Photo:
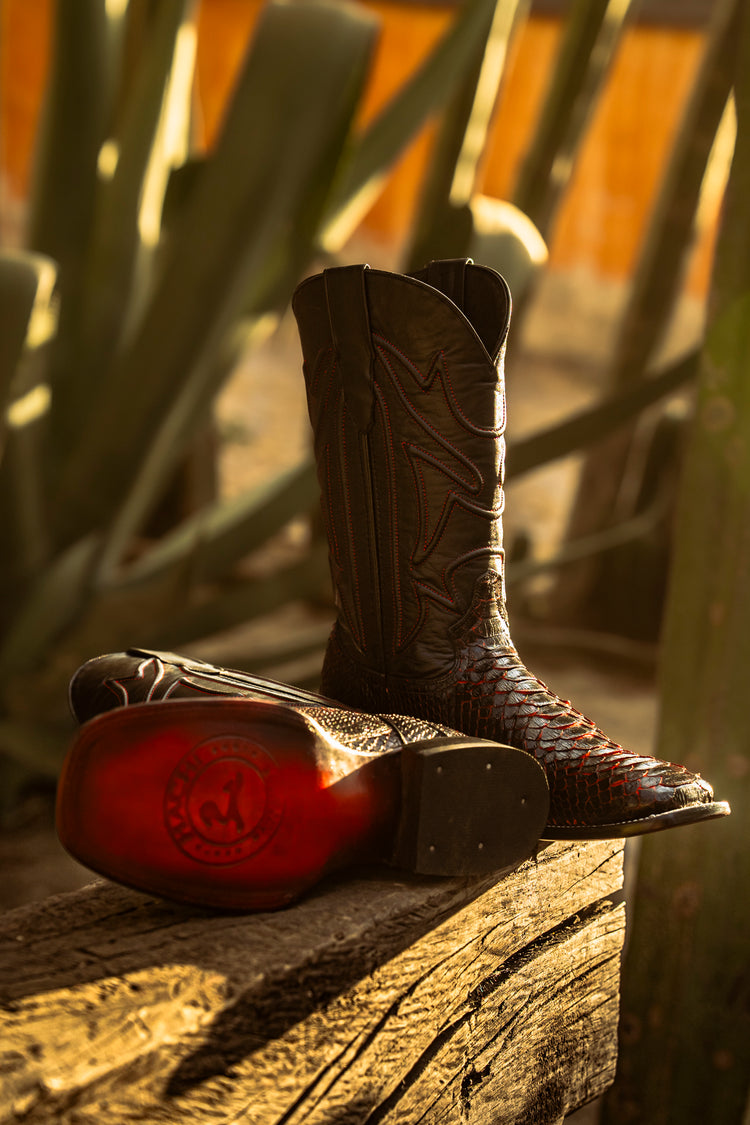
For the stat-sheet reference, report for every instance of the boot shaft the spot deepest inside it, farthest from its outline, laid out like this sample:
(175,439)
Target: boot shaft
(405,389)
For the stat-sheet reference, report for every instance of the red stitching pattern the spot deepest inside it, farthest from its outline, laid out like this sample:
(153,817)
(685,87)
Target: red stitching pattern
(452,500)
(320,368)
(439,369)
(330,522)
(360,630)
(390,462)
(450,597)
(426,425)
(429,540)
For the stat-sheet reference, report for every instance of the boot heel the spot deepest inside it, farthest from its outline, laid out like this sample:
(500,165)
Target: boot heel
(468,807)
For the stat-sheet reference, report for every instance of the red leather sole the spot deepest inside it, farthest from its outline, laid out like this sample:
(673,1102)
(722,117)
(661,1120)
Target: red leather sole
(224,803)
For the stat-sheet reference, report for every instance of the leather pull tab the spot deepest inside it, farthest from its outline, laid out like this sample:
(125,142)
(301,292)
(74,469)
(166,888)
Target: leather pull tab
(449,276)
(346,296)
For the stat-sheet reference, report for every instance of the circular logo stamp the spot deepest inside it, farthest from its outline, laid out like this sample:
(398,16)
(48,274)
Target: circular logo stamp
(223,801)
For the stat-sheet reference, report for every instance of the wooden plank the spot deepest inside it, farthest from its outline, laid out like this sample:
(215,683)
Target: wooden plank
(536,1044)
(373,1000)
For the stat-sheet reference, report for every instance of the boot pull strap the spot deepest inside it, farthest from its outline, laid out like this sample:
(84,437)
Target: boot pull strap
(349,317)
(449,276)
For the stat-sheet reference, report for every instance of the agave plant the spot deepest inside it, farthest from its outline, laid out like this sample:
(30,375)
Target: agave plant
(148,273)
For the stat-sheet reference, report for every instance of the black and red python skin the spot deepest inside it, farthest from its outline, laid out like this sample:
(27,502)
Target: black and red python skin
(594,783)
(406,398)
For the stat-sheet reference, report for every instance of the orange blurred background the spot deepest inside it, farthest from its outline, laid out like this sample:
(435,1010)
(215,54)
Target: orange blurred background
(603,215)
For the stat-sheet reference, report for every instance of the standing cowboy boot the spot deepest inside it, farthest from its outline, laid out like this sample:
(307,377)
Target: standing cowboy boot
(405,389)
(230,790)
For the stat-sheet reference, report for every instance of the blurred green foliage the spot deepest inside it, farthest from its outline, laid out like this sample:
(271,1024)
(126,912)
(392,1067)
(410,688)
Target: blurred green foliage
(149,273)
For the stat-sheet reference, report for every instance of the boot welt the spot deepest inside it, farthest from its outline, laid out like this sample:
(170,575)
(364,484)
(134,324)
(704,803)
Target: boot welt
(657,822)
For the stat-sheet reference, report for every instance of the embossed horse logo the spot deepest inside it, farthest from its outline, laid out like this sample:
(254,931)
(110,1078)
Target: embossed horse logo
(210,812)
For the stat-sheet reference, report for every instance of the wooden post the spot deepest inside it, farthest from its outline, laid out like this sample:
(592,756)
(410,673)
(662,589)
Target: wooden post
(375,999)
(685,1048)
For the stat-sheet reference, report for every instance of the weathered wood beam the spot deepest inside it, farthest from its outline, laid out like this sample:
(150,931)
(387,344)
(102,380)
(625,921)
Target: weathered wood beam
(376,999)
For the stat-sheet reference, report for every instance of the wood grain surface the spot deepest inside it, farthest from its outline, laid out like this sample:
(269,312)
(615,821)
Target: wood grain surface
(376,999)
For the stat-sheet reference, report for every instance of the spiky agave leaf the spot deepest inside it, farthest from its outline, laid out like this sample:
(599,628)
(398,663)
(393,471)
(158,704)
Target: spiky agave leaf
(27,320)
(28,324)
(117,243)
(294,103)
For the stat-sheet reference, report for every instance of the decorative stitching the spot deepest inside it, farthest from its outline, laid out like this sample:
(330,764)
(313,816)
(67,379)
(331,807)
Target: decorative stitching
(357,629)
(411,409)
(412,453)
(330,522)
(362,638)
(390,465)
(467,476)
(438,369)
